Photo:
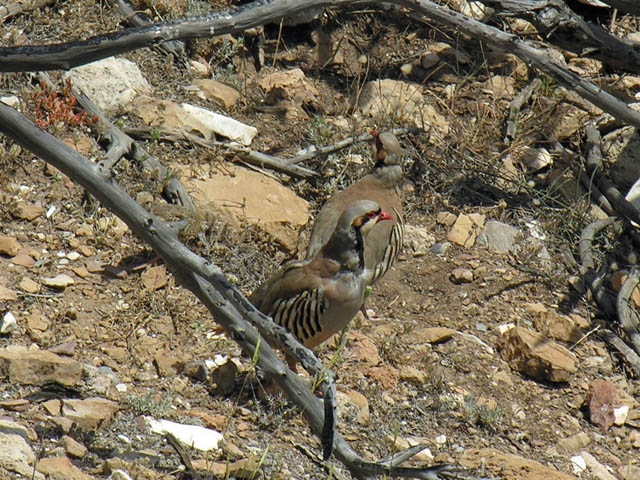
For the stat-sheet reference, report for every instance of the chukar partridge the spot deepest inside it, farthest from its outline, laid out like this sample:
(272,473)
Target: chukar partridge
(382,185)
(317,297)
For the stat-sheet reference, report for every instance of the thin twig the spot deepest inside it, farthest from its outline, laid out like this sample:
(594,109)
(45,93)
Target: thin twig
(632,358)
(626,313)
(516,105)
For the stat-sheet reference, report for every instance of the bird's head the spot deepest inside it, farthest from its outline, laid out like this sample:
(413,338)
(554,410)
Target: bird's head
(363,215)
(387,150)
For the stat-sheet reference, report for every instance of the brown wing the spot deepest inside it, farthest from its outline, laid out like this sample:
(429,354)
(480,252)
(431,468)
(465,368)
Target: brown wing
(294,296)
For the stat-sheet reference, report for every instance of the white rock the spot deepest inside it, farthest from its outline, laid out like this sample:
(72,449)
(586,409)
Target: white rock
(73,256)
(620,414)
(59,281)
(119,475)
(579,465)
(15,453)
(11,100)
(111,83)
(51,211)
(441,439)
(505,327)
(9,323)
(208,123)
(121,387)
(200,438)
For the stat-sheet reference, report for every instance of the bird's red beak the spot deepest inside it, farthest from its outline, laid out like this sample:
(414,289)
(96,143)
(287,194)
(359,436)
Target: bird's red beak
(384,216)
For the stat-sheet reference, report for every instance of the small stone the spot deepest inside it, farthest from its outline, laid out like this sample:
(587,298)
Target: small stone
(73,448)
(26,211)
(429,335)
(29,286)
(66,348)
(535,308)
(535,355)
(61,467)
(363,349)
(221,93)
(86,250)
(90,413)
(166,365)
(8,323)
(357,401)
(446,218)
(461,275)
(223,378)
(73,256)
(53,407)
(82,272)
(499,237)
(24,260)
(59,281)
(429,60)
(603,399)
(195,436)
(37,322)
(8,295)
(65,424)
(578,464)
(412,375)
(466,229)
(9,246)
(386,376)
(18,405)
(84,230)
(574,443)
(37,367)
(155,278)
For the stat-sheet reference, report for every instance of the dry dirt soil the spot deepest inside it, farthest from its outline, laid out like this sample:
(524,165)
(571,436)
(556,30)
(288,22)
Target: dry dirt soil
(464,396)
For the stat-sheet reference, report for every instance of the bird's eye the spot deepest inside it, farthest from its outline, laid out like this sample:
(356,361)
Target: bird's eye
(372,214)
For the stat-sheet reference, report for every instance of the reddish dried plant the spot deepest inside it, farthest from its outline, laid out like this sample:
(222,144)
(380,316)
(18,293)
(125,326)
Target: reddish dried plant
(59,107)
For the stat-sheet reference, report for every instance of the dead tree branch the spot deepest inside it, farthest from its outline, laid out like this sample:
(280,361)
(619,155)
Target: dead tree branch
(137,19)
(260,12)
(560,25)
(593,165)
(516,105)
(229,307)
(626,312)
(251,156)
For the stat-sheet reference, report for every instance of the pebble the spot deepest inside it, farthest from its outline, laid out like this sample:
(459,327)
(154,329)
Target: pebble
(9,323)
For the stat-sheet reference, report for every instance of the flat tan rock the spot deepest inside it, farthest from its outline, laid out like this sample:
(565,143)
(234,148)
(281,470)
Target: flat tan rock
(73,448)
(239,195)
(209,89)
(9,246)
(27,211)
(536,355)
(59,281)
(37,367)
(7,294)
(430,335)
(90,413)
(29,286)
(466,229)
(513,467)
(61,468)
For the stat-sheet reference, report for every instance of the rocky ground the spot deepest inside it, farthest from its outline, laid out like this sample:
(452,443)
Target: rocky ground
(479,342)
